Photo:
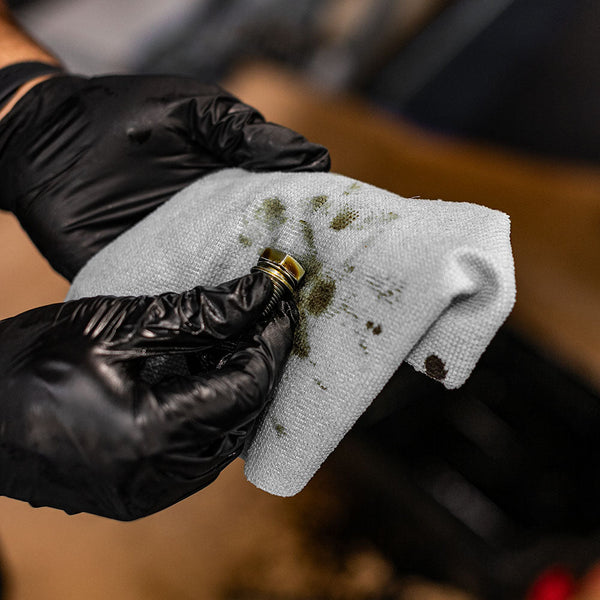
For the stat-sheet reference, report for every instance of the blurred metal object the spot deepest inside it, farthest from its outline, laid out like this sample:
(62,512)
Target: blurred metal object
(283,270)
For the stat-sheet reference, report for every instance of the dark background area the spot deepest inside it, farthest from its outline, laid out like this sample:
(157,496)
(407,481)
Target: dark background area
(520,73)
(530,79)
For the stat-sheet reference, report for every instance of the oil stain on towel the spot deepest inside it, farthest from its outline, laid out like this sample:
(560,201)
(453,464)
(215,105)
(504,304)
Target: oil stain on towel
(318,292)
(320,384)
(435,367)
(375,329)
(345,217)
(280,429)
(272,213)
(318,202)
(244,240)
(383,291)
(320,295)
(301,347)
(353,187)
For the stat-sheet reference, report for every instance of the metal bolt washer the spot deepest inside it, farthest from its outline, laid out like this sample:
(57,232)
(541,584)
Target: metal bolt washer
(284,271)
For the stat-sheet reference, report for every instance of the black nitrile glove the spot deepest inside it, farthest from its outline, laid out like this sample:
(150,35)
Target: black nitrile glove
(82,160)
(81,431)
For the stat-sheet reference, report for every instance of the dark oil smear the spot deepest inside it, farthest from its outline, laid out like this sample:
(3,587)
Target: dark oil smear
(318,291)
(315,296)
(435,367)
(320,296)
(376,329)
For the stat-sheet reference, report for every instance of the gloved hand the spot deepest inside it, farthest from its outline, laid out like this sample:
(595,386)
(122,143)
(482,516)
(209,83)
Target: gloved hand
(82,160)
(81,431)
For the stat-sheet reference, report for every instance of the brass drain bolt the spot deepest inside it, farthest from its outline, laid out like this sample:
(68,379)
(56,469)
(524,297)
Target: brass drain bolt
(283,270)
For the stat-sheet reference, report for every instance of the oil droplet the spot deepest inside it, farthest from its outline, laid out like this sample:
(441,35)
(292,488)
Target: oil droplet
(318,202)
(280,429)
(320,384)
(376,329)
(435,367)
(244,240)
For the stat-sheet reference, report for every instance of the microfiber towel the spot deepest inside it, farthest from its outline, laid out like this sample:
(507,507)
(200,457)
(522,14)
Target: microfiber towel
(388,279)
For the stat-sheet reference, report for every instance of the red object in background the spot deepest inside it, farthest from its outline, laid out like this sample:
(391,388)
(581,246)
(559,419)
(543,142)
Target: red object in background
(556,583)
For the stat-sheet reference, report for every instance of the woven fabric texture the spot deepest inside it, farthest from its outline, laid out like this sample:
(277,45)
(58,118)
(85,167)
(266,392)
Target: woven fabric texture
(389,279)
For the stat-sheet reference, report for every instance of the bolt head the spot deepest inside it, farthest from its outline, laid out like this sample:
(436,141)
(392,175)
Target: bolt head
(285,261)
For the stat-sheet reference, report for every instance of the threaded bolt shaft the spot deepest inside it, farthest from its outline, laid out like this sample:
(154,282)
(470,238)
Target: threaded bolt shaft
(284,271)
(276,296)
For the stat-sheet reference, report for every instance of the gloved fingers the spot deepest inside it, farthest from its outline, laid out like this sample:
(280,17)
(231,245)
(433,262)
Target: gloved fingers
(227,399)
(201,317)
(239,136)
(206,360)
(136,326)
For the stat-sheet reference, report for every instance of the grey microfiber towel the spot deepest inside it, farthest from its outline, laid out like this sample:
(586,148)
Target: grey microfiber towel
(389,279)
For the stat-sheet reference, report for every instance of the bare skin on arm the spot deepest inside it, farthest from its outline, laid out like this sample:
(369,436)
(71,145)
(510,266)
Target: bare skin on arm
(17,46)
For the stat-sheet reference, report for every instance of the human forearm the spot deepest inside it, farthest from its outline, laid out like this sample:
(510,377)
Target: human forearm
(16,46)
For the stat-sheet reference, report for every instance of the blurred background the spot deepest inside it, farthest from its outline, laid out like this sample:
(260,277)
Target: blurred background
(487,492)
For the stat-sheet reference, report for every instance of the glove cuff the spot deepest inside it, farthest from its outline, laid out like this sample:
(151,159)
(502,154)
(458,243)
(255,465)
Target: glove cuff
(14,76)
